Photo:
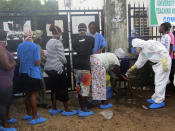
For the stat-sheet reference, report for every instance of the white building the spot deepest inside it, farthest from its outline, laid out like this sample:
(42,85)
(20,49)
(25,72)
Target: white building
(80,4)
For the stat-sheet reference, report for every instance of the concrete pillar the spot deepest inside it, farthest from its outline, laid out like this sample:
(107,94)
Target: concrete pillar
(116,24)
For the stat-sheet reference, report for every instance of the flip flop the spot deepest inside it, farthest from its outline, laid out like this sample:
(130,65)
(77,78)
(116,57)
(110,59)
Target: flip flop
(38,121)
(7,129)
(27,117)
(105,106)
(73,112)
(85,114)
(11,121)
(54,112)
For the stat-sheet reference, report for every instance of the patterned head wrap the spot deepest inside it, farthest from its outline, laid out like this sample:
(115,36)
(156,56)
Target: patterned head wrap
(28,35)
(37,34)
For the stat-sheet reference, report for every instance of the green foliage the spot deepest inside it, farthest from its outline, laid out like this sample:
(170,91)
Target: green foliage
(24,5)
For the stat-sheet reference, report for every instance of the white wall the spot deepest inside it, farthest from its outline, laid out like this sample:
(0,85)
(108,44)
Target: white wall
(82,4)
(138,1)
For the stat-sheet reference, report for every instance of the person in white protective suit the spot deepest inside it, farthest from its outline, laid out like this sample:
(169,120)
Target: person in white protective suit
(155,52)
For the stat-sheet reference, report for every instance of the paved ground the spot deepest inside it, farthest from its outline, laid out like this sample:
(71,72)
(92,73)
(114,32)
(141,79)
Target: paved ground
(127,117)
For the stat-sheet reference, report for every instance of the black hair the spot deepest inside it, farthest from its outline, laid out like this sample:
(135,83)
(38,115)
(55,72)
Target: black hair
(167,26)
(55,29)
(92,23)
(3,35)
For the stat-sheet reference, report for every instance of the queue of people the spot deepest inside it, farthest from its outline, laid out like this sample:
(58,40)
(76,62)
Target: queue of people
(32,64)
(91,68)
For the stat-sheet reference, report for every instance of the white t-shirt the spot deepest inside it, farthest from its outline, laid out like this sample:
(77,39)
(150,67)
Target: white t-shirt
(107,59)
(165,40)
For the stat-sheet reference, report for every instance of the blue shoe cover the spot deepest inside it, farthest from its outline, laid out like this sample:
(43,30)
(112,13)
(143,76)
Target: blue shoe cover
(73,112)
(85,114)
(105,106)
(150,101)
(157,106)
(7,129)
(38,121)
(54,112)
(27,117)
(84,108)
(11,121)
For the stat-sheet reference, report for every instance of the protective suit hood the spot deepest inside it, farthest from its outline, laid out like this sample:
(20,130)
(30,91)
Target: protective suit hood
(138,43)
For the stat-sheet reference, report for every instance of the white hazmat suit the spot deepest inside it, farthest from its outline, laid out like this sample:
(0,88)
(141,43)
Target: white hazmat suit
(155,52)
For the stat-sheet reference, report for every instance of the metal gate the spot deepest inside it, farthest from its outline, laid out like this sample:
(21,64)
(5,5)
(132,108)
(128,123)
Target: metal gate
(138,21)
(39,20)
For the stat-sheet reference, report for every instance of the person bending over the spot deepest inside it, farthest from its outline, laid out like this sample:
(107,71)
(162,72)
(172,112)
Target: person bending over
(101,64)
(155,52)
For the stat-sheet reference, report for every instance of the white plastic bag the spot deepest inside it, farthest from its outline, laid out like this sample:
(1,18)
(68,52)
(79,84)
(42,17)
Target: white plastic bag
(107,114)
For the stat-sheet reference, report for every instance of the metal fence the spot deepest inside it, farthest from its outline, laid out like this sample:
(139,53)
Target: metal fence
(138,21)
(39,20)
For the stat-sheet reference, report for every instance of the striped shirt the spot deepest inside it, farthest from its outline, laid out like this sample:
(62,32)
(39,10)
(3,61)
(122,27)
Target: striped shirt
(55,56)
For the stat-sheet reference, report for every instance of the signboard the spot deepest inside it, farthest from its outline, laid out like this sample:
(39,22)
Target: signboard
(161,11)
(16,29)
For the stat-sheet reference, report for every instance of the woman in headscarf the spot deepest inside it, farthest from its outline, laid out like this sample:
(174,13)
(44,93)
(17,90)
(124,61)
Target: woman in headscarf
(7,66)
(102,64)
(29,57)
(55,68)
